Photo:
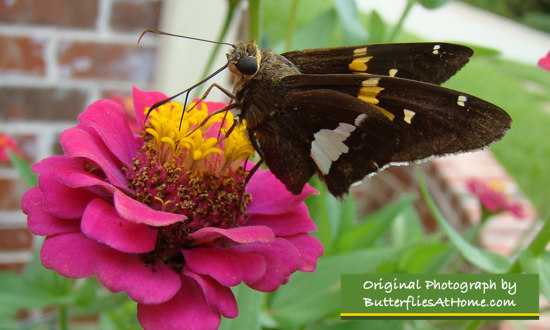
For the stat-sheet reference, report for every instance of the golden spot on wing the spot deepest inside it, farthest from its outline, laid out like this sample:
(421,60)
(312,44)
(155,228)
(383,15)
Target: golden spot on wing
(385,112)
(359,64)
(392,72)
(409,114)
(369,89)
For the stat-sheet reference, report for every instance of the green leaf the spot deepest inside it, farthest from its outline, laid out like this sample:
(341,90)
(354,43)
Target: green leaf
(311,296)
(121,316)
(541,265)
(432,4)
(377,28)
(316,33)
(337,324)
(24,170)
(544,273)
(407,227)
(249,302)
(353,32)
(423,258)
(368,231)
(102,303)
(486,260)
(18,292)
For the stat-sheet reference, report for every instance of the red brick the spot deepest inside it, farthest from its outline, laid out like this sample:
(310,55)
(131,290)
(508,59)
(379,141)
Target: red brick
(22,55)
(41,103)
(15,239)
(60,13)
(135,15)
(15,268)
(11,192)
(106,61)
(15,11)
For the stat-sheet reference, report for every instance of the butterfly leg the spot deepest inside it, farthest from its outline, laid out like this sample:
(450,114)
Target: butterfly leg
(256,146)
(209,89)
(224,109)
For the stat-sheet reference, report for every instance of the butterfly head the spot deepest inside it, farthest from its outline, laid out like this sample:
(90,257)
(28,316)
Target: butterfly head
(244,60)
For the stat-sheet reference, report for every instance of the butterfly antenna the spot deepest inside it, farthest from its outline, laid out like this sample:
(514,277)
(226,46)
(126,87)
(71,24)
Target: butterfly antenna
(166,100)
(181,36)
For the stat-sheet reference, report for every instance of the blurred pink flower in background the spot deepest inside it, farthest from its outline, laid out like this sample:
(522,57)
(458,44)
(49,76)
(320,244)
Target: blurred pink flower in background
(493,199)
(545,62)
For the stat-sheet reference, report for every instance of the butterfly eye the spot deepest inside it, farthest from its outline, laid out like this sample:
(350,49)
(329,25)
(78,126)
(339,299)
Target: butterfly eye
(247,65)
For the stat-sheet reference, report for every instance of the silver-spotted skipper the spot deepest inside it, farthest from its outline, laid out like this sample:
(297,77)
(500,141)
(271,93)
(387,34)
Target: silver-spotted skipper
(345,113)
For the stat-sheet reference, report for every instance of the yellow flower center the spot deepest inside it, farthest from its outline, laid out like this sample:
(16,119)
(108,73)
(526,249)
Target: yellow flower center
(191,145)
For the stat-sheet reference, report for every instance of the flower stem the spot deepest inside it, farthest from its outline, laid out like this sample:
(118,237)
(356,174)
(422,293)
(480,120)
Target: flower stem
(399,26)
(255,20)
(61,285)
(63,317)
(291,24)
(227,22)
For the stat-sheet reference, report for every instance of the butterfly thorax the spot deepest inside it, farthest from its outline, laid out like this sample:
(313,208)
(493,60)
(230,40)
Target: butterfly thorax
(260,94)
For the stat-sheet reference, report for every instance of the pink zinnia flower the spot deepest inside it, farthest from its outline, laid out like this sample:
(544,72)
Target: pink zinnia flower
(493,200)
(164,216)
(545,62)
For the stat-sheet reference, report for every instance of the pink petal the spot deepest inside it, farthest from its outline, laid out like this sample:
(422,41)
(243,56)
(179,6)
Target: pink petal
(269,195)
(72,255)
(47,165)
(107,119)
(62,201)
(144,283)
(102,223)
(187,310)
(39,221)
(77,142)
(290,223)
(217,295)
(78,177)
(310,250)
(282,259)
(227,266)
(143,100)
(135,211)
(243,235)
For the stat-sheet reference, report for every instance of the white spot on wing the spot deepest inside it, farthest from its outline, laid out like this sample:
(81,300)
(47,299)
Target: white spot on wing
(409,114)
(461,100)
(360,119)
(328,145)
(436,49)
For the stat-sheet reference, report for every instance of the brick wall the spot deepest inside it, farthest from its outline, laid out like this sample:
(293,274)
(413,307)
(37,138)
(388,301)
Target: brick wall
(57,57)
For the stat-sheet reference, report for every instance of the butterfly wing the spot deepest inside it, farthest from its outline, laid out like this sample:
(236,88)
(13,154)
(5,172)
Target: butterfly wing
(427,62)
(346,127)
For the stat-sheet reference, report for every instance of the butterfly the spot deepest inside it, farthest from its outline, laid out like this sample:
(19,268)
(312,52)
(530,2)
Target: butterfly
(348,112)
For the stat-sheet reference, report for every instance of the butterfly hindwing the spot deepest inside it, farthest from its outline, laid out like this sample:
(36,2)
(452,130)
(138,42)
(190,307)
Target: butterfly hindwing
(353,125)
(347,139)
(427,62)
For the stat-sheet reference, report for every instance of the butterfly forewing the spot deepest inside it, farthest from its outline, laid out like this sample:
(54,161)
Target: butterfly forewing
(427,62)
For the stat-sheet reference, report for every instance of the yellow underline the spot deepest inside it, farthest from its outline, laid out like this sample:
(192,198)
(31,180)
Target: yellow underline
(439,314)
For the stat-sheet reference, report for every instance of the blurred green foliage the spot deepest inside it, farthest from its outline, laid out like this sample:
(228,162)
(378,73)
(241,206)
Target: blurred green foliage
(535,13)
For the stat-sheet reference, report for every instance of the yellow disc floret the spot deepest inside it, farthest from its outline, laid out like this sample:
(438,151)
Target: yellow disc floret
(197,138)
